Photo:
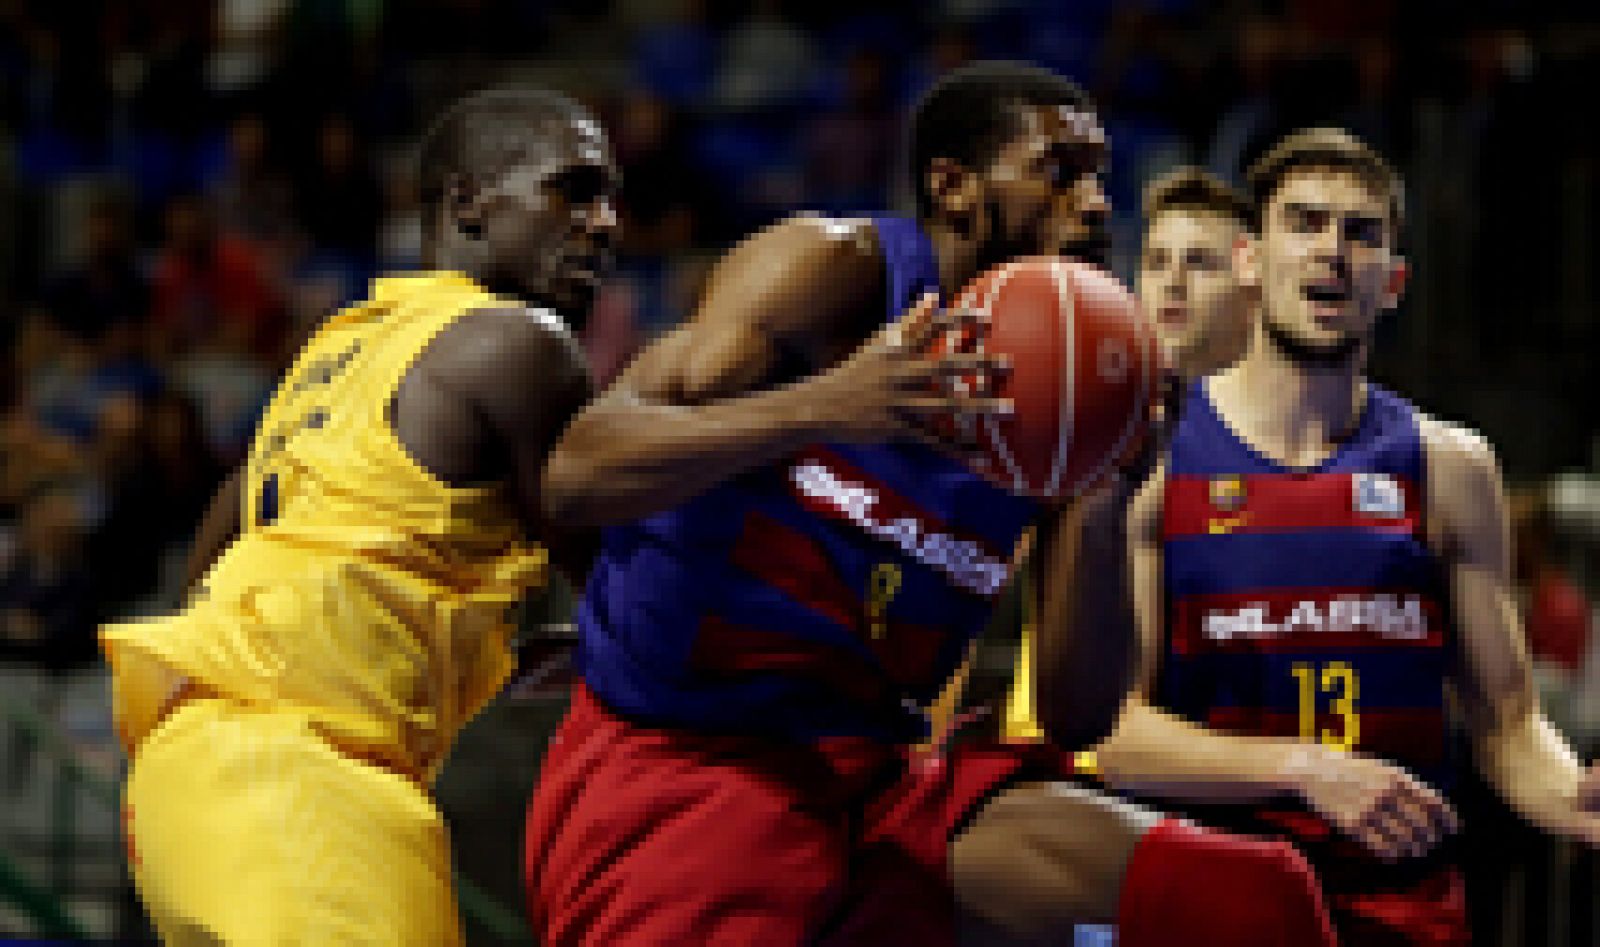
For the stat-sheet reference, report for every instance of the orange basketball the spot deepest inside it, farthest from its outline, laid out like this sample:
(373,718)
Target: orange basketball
(1084,368)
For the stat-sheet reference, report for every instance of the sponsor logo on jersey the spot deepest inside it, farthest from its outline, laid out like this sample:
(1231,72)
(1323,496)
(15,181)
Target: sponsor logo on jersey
(963,560)
(1377,494)
(1390,616)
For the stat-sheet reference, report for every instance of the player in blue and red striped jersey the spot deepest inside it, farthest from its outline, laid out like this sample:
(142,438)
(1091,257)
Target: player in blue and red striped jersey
(790,575)
(1315,563)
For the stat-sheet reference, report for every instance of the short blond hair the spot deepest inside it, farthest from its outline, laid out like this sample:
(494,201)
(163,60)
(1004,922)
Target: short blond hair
(1191,189)
(1331,149)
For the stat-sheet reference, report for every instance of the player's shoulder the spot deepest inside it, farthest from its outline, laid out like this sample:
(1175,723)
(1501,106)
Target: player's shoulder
(798,279)
(1146,508)
(815,244)
(1465,486)
(502,344)
(1453,447)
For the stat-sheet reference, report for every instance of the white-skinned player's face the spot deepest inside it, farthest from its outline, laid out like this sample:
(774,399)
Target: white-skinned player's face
(1325,262)
(1189,290)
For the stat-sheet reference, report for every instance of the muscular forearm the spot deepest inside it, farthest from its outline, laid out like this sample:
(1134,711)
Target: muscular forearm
(1536,773)
(622,458)
(1087,644)
(1163,756)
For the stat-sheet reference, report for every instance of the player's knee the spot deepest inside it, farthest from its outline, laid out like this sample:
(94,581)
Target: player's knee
(1015,886)
(1041,859)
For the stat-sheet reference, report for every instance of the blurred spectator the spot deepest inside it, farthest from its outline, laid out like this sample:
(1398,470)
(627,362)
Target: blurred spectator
(1258,58)
(1378,113)
(160,475)
(208,280)
(400,237)
(246,35)
(105,292)
(676,59)
(172,100)
(231,384)
(610,336)
(31,456)
(766,61)
(46,606)
(661,186)
(850,147)
(249,194)
(1555,610)
(339,199)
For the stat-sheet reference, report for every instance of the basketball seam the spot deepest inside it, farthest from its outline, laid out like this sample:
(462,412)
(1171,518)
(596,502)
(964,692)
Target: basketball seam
(1133,416)
(1066,313)
(991,427)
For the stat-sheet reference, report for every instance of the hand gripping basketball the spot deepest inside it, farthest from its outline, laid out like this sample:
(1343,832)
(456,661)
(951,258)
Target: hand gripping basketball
(899,383)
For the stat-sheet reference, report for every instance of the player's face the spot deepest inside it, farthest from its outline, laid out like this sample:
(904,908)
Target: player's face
(1044,192)
(1325,261)
(1190,293)
(550,220)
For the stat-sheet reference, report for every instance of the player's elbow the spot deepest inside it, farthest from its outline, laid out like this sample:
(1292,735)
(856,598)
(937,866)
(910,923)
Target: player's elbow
(569,485)
(1083,721)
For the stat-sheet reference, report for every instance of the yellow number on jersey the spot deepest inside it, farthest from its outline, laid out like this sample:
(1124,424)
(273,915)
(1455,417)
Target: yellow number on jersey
(1339,680)
(881,590)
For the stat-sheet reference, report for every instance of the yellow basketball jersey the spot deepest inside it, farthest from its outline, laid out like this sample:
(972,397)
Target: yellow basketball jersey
(361,589)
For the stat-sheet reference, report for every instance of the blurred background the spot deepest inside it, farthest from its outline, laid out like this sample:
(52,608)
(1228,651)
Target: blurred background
(188,186)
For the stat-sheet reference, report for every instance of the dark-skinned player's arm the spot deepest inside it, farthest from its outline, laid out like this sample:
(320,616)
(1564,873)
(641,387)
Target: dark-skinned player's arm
(697,407)
(1518,750)
(1085,644)
(1161,755)
(503,384)
(217,530)
(224,518)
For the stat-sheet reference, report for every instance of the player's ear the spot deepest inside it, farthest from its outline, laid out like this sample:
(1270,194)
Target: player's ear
(953,190)
(462,209)
(1246,265)
(1399,275)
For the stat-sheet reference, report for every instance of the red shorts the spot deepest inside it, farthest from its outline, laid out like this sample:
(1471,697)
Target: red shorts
(640,836)
(1410,903)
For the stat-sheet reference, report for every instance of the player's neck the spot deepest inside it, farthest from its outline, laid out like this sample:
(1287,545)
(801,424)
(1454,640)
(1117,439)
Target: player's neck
(957,257)
(1292,412)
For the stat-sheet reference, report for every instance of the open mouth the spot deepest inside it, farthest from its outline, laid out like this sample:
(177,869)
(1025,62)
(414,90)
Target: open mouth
(1329,292)
(588,268)
(1172,317)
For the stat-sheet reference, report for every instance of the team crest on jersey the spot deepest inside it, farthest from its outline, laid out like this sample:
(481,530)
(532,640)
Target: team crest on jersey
(1377,494)
(1227,493)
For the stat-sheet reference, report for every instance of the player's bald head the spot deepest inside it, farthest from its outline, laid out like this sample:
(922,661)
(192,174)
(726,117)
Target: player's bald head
(489,133)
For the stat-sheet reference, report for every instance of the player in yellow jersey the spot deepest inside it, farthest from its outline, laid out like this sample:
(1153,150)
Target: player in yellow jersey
(354,576)
(1202,314)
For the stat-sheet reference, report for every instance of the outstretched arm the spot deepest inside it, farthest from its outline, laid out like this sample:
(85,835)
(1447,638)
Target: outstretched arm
(1518,750)
(698,407)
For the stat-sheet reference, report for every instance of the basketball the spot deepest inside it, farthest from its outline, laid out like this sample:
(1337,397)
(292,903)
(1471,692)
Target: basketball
(1084,368)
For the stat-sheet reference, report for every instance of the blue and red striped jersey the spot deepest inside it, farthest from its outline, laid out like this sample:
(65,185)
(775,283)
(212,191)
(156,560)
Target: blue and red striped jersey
(1305,602)
(827,594)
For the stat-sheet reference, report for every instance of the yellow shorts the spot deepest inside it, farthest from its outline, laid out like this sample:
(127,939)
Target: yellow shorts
(246,827)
